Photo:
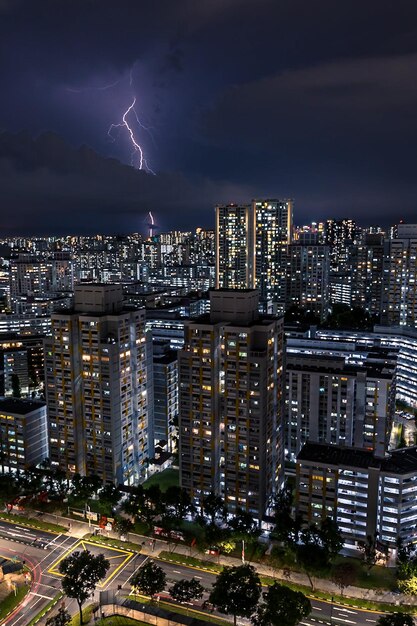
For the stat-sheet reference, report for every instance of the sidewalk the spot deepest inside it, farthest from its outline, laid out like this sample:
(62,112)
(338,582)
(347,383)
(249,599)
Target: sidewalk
(79,529)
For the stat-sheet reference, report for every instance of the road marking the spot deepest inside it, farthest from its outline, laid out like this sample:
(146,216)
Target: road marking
(33,593)
(127,554)
(55,539)
(341,619)
(370,620)
(176,571)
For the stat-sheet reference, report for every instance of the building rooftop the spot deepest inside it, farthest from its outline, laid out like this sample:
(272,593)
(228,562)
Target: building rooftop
(403,461)
(167,357)
(19,407)
(329,364)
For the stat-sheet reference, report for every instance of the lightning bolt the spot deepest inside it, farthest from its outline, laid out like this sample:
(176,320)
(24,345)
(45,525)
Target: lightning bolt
(137,148)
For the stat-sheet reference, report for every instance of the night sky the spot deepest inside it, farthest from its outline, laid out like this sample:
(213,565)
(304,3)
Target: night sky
(310,99)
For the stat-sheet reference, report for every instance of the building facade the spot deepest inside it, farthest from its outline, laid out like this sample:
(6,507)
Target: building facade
(364,494)
(230,375)
(23,434)
(98,387)
(251,249)
(307,279)
(334,402)
(399,294)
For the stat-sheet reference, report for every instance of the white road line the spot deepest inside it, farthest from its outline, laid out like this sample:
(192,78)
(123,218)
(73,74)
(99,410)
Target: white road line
(317,608)
(370,620)
(341,619)
(134,572)
(33,593)
(25,616)
(175,571)
(53,540)
(118,573)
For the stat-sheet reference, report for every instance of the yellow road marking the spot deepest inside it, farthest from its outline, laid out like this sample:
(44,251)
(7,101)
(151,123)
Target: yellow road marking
(83,543)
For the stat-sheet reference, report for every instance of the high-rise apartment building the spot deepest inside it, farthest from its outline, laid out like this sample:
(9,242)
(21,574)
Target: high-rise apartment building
(307,278)
(273,230)
(334,402)
(340,235)
(230,375)
(366,271)
(399,295)
(98,377)
(165,390)
(251,247)
(234,247)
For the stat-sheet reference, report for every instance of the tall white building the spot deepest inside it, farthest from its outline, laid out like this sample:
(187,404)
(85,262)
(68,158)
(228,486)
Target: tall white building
(98,378)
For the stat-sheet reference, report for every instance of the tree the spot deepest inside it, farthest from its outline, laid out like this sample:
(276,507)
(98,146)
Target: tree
(407,577)
(281,607)
(286,529)
(236,591)
(344,575)
(62,618)
(331,537)
(186,590)
(16,388)
(144,504)
(243,526)
(110,494)
(369,551)
(149,579)
(81,572)
(84,487)
(179,502)
(396,619)
(214,507)
(312,558)
(123,525)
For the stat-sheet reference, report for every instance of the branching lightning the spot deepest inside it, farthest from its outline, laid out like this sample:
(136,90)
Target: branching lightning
(138,152)
(138,158)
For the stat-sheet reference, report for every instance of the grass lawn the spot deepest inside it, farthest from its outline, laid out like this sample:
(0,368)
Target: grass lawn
(115,543)
(32,522)
(87,615)
(189,560)
(378,578)
(181,610)
(119,620)
(10,602)
(165,479)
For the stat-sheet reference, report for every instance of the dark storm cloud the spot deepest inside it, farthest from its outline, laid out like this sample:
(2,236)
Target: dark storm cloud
(314,100)
(48,186)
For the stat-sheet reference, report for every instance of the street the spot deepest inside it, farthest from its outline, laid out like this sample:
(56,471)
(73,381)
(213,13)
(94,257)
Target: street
(42,552)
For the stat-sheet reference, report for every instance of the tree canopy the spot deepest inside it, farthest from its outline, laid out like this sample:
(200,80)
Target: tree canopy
(150,579)
(81,573)
(236,591)
(281,607)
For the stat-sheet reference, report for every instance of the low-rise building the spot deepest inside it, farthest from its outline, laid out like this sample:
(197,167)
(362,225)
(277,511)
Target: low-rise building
(23,434)
(365,494)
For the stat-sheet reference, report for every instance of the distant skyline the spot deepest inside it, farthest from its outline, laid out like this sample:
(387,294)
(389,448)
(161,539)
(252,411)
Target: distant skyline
(233,99)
